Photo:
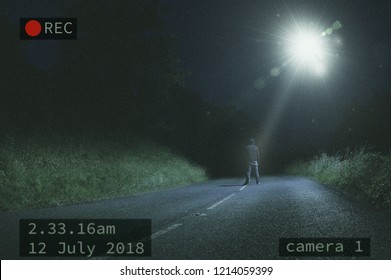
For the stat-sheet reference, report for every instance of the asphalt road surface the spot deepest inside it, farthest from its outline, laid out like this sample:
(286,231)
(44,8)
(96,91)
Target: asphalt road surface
(221,219)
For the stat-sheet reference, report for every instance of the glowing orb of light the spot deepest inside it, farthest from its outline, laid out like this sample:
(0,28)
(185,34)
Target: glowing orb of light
(307,49)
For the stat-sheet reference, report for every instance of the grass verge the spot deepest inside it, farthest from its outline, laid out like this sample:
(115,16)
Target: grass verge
(362,173)
(52,171)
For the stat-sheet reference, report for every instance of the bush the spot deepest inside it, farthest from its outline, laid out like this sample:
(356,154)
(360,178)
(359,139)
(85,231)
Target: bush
(40,172)
(362,173)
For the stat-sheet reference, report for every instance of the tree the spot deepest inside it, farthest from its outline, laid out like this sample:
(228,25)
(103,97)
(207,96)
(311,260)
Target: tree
(366,124)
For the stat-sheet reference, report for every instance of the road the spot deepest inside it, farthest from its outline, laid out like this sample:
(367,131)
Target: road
(221,219)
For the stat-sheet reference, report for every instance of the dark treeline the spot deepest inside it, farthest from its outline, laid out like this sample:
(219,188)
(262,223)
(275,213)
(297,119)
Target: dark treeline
(366,123)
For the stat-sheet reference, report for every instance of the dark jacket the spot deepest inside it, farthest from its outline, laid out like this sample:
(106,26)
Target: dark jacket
(253,153)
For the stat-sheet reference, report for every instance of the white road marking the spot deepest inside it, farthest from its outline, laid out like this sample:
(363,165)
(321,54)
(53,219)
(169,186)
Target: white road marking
(221,201)
(163,231)
(174,226)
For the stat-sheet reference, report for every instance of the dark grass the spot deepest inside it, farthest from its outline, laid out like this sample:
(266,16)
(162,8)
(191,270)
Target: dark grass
(362,173)
(51,171)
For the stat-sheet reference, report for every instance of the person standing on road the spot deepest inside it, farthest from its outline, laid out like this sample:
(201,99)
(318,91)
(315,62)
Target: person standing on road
(253,161)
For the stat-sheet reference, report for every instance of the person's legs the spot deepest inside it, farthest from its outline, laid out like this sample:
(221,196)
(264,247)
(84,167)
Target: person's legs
(248,175)
(257,173)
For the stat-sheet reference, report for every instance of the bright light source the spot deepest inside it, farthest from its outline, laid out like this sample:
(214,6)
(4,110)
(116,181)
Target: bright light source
(307,50)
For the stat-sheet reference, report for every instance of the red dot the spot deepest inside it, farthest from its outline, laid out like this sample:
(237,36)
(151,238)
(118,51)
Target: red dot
(33,28)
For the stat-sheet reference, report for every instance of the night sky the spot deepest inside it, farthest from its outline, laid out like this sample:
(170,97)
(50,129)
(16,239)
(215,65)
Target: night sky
(226,44)
(230,48)
(229,45)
